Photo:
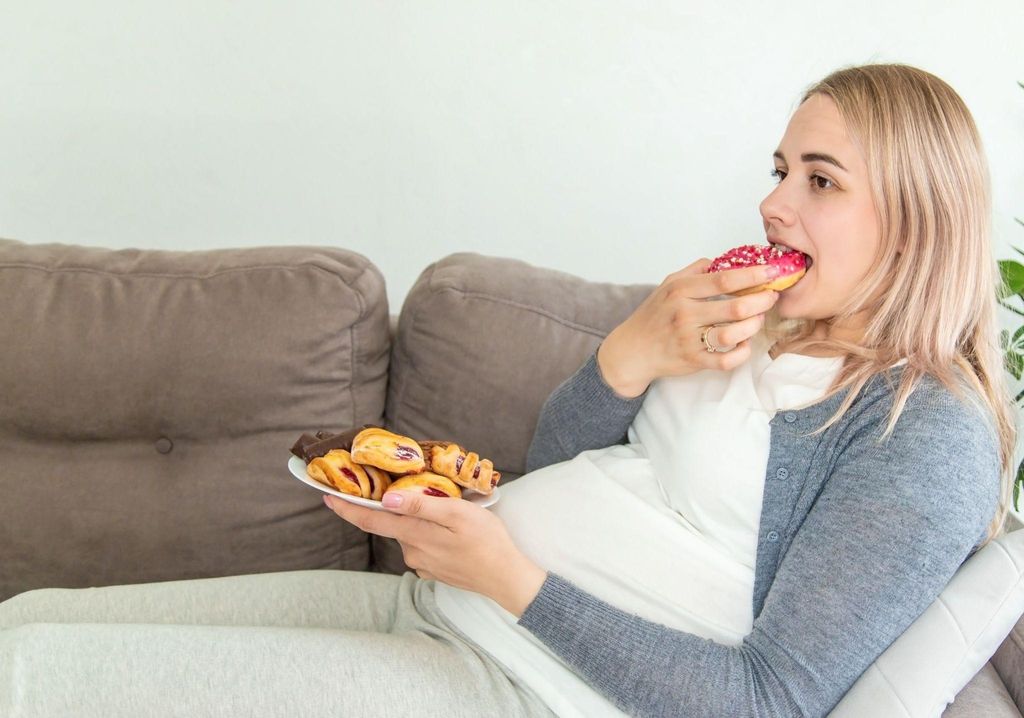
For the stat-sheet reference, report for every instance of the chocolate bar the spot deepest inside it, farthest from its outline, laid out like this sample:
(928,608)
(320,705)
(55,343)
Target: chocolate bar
(310,447)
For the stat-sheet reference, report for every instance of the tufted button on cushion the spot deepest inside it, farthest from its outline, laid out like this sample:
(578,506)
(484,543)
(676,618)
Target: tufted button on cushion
(164,445)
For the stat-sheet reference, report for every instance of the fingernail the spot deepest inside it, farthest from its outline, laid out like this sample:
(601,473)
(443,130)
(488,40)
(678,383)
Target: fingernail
(392,500)
(771,271)
(327,500)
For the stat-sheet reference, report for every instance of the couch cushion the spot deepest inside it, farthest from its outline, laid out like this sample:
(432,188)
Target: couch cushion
(1009,663)
(150,399)
(985,695)
(482,342)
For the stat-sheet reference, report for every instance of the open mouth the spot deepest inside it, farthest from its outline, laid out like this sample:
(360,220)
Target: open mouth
(808,259)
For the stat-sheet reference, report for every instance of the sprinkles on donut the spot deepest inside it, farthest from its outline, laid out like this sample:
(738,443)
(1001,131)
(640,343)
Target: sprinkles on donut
(792,264)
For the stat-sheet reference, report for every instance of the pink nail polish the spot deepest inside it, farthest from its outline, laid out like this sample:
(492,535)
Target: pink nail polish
(392,500)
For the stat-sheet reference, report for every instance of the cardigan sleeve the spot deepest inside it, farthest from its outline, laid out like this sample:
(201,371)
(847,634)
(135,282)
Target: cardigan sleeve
(582,413)
(892,524)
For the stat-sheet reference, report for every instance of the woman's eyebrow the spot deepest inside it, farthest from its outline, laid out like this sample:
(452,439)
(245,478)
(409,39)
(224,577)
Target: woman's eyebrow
(814,157)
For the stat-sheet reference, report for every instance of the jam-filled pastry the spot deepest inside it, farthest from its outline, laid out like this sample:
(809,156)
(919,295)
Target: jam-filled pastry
(393,453)
(337,469)
(380,481)
(429,484)
(463,467)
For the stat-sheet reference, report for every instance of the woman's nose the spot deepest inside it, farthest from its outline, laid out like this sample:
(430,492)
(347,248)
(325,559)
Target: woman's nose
(776,208)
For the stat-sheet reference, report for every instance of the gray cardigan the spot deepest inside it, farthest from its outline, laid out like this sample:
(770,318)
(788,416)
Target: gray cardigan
(857,538)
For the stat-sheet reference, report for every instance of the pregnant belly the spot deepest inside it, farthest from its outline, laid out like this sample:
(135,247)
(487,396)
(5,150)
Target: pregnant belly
(601,521)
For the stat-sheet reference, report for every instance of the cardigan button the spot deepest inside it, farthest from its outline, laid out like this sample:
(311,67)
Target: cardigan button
(790,417)
(782,474)
(772,536)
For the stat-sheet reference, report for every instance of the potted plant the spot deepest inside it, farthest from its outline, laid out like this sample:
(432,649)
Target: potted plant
(1012,273)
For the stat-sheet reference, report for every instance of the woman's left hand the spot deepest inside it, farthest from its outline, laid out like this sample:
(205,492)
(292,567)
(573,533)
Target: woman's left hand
(453,541)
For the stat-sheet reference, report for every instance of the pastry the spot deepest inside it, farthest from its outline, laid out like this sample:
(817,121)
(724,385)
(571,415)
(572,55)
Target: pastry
(791,263)
(380,481)
(393,453)
(429,484)
(463,467)
(337,469)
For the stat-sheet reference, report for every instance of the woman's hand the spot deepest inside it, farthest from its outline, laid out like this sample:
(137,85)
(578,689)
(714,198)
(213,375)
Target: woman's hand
(453,541)
(662,337)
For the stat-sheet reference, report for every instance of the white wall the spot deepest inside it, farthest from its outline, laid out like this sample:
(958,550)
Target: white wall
(614,140)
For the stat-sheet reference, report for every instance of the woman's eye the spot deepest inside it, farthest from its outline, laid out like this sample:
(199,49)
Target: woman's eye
(778,174)
(821,182)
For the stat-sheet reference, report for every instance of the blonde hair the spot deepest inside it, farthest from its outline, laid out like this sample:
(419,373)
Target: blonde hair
(930,296)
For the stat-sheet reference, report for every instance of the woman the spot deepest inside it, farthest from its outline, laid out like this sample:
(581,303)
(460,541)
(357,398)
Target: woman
(803,473)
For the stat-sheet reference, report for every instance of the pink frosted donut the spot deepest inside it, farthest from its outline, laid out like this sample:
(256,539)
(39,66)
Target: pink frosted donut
(791,263)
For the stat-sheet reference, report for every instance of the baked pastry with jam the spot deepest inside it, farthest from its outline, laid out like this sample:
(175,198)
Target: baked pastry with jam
(391,452)
(337,469)
(428,483)
(465,468)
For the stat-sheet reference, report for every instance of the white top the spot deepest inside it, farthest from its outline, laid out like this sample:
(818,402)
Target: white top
(664,527)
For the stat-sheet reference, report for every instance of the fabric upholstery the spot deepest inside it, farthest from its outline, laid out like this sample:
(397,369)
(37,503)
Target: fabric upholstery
(986,696)
(1008,662)
(150,399)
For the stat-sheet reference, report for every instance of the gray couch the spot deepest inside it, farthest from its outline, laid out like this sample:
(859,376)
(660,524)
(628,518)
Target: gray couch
(150,398)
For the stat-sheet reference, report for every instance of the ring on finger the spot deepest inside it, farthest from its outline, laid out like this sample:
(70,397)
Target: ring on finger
(707,344)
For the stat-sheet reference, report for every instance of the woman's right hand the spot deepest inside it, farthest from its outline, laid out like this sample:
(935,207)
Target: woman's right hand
(662,337)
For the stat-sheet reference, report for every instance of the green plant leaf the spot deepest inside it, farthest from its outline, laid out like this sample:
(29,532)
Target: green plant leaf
(1012,273)
(1011,308)
(1018,483)
(1014,363)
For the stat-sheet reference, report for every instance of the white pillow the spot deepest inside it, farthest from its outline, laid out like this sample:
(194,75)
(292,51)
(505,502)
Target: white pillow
(924,669)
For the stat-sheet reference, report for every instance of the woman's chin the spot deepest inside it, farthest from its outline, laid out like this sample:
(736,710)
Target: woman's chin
(788,304)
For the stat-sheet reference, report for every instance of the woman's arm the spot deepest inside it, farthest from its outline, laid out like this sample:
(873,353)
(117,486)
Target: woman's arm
(582,413)
(891,526)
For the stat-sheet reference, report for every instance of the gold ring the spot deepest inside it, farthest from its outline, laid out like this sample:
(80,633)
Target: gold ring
(704,339)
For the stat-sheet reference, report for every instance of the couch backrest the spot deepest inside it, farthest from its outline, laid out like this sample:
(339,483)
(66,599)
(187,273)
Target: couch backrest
(149,399)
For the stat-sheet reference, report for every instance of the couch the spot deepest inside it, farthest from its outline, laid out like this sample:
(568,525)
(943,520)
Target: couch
(149,399)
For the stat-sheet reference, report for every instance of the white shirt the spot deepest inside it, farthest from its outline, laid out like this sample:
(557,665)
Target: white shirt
(664,527)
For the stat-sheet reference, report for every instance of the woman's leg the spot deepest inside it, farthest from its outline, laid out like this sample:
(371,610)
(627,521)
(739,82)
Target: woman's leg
(402,661)
(351,600)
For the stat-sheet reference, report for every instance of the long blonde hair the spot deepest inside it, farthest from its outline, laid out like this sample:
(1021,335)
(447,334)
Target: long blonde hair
(930,297)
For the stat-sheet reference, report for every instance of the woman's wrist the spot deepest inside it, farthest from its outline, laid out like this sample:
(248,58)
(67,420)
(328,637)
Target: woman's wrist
(520,586)
(622,379)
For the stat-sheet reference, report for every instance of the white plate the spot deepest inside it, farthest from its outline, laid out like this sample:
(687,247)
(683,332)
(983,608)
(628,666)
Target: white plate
(298,468)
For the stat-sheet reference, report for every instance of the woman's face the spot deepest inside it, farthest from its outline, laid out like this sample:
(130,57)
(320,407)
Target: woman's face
(823,207)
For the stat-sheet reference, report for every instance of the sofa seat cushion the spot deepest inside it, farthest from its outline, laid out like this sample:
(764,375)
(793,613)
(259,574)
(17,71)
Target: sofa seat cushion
(985,695)
(150,399)
(1009,663)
